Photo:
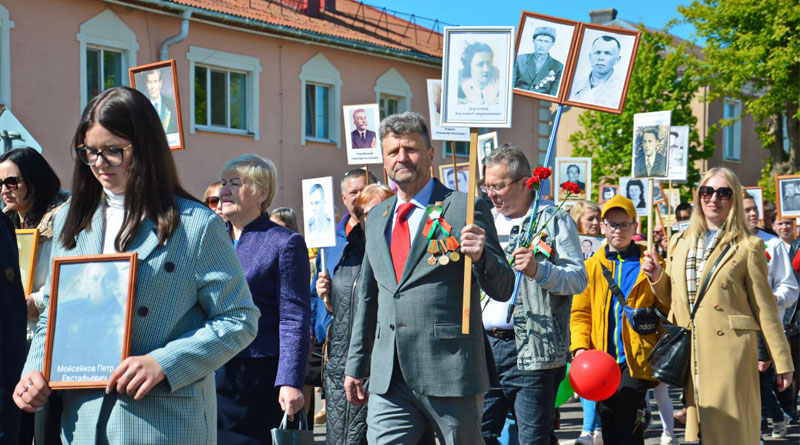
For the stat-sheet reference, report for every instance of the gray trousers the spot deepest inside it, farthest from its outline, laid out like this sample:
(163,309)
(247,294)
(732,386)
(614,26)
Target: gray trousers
(400,416)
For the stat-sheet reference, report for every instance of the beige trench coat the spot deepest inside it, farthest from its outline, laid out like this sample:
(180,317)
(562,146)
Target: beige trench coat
(724,368)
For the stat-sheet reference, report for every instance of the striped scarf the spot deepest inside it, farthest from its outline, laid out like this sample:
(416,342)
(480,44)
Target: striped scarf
(696,262)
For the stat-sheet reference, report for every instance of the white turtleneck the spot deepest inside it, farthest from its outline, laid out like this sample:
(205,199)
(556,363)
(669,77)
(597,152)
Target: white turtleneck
(114,217)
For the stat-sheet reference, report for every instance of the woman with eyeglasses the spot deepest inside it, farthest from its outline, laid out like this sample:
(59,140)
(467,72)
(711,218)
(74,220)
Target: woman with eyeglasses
(193,310)
(722,393)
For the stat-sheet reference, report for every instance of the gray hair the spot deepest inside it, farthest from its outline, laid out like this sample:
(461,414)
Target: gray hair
(404,124)
(513,157)
(260,172)
(357,173)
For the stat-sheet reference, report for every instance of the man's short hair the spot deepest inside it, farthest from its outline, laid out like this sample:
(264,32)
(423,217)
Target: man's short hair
(317,188)
(513,157)
(405,124)
(653,131)
(155,71)
(683,206)
(746,195)
(576,168)
(357,173)
(608,38)
(674,133)
(360,110)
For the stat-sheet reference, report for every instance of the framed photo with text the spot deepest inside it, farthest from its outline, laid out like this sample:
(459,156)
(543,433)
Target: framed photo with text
(787,193)
(89,320)
(159,82)
(27,248)
(439,133)
(361,123)
(650,138)
(575,170)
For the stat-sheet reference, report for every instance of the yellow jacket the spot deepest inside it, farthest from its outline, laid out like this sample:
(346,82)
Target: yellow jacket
(589,317)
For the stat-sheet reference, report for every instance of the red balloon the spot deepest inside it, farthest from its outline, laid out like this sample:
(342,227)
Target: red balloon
(594,375)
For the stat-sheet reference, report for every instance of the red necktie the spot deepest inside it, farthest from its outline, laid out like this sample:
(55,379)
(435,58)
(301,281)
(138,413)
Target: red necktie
(401,242)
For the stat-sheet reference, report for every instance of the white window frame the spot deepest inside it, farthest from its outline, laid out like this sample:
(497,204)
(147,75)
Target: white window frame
(216,59)
(392,83)
(6,25)
(106,31)
(736,128)
(320,71)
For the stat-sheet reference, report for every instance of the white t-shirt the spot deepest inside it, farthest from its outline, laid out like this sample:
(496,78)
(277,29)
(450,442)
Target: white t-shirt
(495,312)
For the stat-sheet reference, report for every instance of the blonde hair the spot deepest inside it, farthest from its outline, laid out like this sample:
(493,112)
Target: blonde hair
(580,208)
(212,188)
(259,171)
(734,229)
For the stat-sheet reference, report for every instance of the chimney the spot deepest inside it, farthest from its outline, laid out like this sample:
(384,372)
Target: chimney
(603,16)
(313,8)
(330,5)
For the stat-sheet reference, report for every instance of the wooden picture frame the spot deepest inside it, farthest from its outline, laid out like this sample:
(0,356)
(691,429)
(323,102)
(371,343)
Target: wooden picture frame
(788,204)
(446,176)
(614,101)
(27,249)
(602,191)
(168,99)
(71,334)
(483,139)
(561,52)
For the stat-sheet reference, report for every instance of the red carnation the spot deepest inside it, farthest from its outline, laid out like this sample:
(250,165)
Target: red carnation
(542,172)
(533,182)
(571,187)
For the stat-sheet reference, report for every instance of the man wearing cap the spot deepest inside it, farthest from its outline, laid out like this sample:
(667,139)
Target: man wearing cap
(598,321)
(537,71)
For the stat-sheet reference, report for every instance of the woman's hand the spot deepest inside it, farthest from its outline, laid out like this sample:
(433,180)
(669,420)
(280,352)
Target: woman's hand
(323,284)
(291,400)
(31,392)
(525,262)
(136,376)
(784,381)
(650,266)
(33,311)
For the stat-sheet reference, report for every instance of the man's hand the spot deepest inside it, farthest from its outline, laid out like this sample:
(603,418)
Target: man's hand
(323,284)
(650,266)
(136,376)
(291,400)
(354,390)
(31,392)
(472,239)
(763,365)
(784,381)
(525,262)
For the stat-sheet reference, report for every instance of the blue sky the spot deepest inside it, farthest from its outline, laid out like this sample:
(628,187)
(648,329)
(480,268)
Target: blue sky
(654,14)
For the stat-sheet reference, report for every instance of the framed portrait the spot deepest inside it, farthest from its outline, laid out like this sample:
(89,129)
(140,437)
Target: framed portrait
(319,220)
(576,170)
(486,144)
(602,69)
(439,133)
(650,138)
(91,309)
(758,196)
(455,178)
(476,76)
(27,248)
(606,192)
(590,245)
(635,190)
(361,127)
(787,193)
(678,153)
(660,199)
(159,82)
(543,52)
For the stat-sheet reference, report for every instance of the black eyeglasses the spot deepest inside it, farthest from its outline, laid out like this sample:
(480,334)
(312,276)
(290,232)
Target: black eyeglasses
(113,156)
(496,189)
(11,182)
(623,227)
(723,193)
(212,201)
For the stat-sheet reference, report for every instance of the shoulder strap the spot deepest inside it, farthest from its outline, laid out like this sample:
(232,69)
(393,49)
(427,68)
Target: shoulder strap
(612,286)
(702,292)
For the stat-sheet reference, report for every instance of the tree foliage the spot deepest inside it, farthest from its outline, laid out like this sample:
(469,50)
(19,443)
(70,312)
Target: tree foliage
(663,79)
(752,53)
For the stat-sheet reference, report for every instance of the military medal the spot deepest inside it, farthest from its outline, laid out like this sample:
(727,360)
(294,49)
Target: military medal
(442,250)
(454,256)
(432,261)
(443,260)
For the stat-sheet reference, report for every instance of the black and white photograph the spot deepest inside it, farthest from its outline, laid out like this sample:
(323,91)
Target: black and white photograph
(758,196)
(606,192)
(636,190)
(543,52)
(603,68)
(89,319)
(159,82)
(590,245)
(487,142)
(361,125)
(438,132)
(678,153)
(319,221)
(787,193)
(455,179)
(650,138)
(476,74)
(575,170)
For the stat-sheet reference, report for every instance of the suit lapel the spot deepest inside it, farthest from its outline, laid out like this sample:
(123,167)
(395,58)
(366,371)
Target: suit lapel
(384,251)
(146,239)
(418,242)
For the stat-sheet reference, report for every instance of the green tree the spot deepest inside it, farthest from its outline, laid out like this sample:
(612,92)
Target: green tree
(752,54)
(663,79)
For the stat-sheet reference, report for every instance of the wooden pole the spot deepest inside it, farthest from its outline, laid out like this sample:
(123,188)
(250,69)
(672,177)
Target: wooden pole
(453,153)
(366,173)
(473,182)
(385,177)
(670,206)
(650,207)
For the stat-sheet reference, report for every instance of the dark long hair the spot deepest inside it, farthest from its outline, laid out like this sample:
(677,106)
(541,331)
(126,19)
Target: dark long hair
(153,184)
(41,181)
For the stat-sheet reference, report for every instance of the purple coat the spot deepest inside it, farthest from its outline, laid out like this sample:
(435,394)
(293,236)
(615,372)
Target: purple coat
(275,263)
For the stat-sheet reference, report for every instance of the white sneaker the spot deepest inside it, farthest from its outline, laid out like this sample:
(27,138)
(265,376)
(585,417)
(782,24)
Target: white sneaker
(598,437)
(778,430)
(668,439)
(584,439)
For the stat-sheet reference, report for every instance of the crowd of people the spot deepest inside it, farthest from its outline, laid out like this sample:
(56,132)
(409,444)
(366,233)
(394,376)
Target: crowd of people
(235,320)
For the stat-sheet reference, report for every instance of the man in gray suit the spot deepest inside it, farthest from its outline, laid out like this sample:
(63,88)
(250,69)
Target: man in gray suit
(407,329)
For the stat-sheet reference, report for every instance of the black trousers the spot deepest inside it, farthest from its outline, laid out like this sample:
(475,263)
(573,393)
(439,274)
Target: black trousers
(622,414)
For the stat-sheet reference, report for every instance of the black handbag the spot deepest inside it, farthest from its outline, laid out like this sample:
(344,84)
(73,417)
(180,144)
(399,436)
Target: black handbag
(643,320)
(669,359)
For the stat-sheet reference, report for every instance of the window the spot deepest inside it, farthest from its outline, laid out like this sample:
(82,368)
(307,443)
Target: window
(389,105)
(224,92)
(320,87)
(462,148)
(392,93)
(5,57)
(732,134)
(107,49)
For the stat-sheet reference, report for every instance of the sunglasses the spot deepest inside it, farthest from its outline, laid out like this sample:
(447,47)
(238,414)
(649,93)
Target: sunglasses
(723,193)
(212,201)
(11,182)
(113,156)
